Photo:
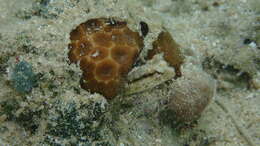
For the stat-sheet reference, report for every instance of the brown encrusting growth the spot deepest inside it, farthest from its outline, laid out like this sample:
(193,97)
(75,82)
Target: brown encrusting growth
(106,49)
(172,54)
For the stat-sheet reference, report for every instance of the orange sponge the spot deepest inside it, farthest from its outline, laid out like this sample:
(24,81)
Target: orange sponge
(106,49)
(172,54)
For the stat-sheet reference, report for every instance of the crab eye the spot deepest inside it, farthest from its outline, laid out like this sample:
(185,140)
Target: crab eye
(144,28)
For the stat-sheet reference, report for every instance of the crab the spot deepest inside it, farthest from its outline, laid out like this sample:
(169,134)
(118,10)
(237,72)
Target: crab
(107,49)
